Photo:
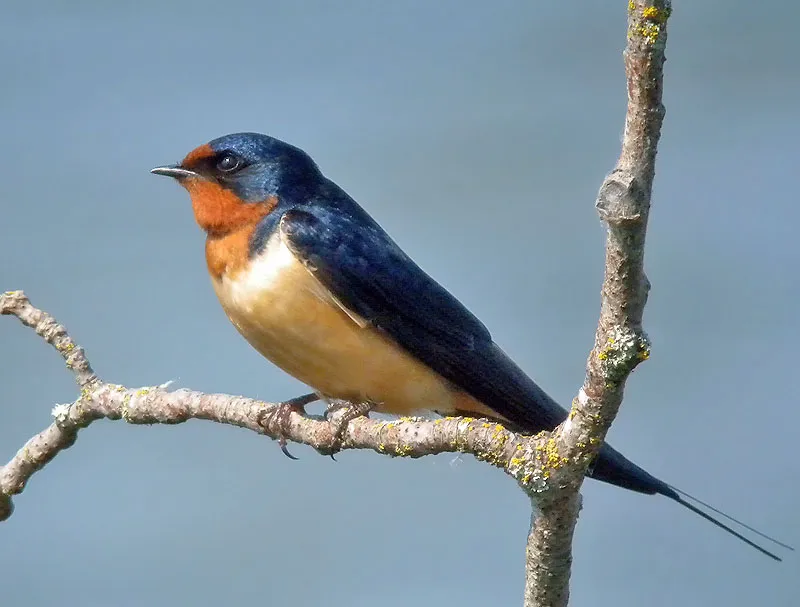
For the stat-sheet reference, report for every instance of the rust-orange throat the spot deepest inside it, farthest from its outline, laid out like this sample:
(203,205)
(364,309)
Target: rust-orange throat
(228,221)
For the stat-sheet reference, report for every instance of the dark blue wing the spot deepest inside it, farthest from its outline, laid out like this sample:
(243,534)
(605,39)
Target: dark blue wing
(364,268)
(369,274)
(354,258)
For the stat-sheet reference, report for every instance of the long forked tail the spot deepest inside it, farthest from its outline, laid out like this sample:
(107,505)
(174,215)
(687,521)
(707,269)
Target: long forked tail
(614,468)
(681,497)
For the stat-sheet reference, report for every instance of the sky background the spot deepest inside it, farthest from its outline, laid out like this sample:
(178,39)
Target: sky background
(478,135)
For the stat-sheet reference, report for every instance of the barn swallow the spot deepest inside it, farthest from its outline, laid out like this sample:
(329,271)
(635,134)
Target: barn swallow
(316,286)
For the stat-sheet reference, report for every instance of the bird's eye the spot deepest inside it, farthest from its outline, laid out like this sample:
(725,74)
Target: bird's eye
(228,163)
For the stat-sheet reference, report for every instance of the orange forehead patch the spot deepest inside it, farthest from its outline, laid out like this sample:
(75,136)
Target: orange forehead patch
(196,155)
(219,211)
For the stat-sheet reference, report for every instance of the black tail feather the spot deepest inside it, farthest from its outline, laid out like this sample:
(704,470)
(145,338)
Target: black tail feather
(722,525)
(727,516)
(614,468)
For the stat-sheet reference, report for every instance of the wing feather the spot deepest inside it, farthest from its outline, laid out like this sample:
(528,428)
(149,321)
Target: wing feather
(372,278)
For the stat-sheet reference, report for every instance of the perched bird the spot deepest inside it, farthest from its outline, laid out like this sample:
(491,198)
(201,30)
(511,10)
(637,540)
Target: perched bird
(317,287)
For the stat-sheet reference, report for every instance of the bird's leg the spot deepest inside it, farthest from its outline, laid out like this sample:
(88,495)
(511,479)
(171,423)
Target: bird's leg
(352,411)
(279,415)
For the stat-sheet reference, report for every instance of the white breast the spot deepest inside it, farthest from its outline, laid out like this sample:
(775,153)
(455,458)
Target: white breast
(286,314)
(265,276)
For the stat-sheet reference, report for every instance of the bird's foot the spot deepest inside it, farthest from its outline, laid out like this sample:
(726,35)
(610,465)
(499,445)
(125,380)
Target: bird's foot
(352,411)
(279,416)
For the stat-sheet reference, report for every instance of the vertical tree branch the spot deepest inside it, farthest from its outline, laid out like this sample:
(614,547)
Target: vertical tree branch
(548,556)
(623,203)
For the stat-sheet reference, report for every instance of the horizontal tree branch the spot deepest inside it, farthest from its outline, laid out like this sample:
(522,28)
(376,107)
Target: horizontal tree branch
(520,456)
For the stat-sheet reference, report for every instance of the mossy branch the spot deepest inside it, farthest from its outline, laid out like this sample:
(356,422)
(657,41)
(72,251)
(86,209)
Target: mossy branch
(527,459)
(623,203)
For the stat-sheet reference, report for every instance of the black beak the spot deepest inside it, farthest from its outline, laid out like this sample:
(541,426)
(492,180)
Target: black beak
(175,171)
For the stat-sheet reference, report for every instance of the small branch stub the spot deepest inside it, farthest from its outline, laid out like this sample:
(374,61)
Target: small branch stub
(619,200)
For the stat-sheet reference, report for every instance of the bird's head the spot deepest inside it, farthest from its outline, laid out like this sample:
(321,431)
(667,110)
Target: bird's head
(237,179)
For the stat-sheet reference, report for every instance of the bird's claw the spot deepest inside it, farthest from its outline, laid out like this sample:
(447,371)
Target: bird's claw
(352,411)
(285,449)
(332,407)
(279,416)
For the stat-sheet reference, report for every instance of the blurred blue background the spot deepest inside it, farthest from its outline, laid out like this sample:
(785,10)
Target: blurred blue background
(478,135)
